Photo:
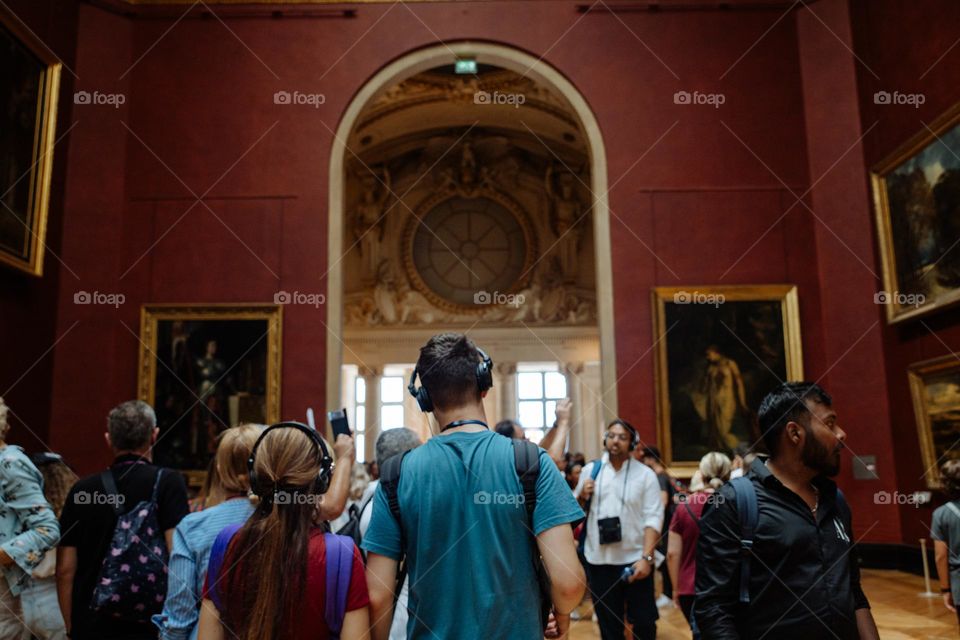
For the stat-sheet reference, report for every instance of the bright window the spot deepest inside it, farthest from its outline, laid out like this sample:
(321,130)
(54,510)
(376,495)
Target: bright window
(539,387)
(391,402)
(360,411)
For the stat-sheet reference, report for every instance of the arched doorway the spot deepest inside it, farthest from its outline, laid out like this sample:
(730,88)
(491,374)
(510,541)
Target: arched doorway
(497,206)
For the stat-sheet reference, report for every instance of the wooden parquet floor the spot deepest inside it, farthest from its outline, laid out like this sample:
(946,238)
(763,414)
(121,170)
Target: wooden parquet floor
(900,612)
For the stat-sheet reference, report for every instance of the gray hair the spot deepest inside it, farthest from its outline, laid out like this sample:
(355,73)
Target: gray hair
(130,425)
(395,441)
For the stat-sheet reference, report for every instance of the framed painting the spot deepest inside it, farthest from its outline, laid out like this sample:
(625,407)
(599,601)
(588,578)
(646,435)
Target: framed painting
(205,368)
(29,87)
(935,389)
(719,351)
(916,192)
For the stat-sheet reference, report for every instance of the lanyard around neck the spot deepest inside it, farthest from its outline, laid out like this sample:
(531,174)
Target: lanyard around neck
(623,495)
(461,423)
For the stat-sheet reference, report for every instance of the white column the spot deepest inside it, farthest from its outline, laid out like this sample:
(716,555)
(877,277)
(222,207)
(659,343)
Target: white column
(573,372)
(508,390)
(371,378)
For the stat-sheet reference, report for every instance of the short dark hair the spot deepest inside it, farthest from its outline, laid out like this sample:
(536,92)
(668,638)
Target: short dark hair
(506,427)
(652,452)
(130,425)
(448,370)
(785,404)
(626,425)
(741,450)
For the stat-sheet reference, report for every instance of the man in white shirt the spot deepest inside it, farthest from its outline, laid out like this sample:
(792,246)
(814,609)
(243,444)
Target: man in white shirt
(624,515)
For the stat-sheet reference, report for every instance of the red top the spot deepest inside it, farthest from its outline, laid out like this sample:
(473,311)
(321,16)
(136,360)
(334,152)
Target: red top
(311,623)
(688,528)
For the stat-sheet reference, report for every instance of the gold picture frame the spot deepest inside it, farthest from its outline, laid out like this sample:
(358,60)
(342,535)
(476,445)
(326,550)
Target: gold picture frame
(197,378)
(26,156)
(932,383)
(697,330)
(923,236)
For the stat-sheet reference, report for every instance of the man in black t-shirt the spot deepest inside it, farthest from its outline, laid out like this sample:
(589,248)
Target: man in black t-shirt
(88,520)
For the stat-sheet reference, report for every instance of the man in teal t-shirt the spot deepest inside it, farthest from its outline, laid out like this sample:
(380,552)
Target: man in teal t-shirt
(468,543)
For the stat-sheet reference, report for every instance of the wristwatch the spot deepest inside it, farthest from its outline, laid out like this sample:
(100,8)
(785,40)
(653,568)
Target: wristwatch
(648,558)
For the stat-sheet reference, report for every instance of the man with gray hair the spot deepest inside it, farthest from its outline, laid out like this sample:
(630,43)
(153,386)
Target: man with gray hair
(391,442)
(90,515)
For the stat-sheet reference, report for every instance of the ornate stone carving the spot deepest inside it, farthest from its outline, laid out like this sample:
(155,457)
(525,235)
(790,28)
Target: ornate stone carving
(566,213)
(368,223)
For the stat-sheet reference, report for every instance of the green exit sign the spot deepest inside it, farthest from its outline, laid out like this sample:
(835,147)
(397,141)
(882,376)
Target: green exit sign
(465,66)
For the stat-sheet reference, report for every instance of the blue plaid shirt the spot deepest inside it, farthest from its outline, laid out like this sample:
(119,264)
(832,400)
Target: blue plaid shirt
(192,541)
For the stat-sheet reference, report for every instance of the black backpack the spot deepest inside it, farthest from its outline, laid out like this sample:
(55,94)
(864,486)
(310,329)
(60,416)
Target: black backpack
(351,528)
(526,457)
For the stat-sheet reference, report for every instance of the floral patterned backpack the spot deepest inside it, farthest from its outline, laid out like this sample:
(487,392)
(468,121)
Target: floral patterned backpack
(132,584)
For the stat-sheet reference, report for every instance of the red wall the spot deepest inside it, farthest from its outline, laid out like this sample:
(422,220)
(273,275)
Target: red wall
(909,50)
(696,191)
(28,320)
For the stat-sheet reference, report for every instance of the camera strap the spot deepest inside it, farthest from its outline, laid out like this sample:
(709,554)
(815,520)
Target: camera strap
(623,495)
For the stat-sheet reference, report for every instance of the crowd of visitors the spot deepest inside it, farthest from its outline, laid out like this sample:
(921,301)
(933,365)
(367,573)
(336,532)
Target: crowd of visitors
(475,533)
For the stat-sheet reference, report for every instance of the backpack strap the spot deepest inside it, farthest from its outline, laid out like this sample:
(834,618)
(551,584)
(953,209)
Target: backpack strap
(215,566)
(339,574)
(526,459)
(390,483)
(106,477)
(156,486)
(594,474)
(749,515)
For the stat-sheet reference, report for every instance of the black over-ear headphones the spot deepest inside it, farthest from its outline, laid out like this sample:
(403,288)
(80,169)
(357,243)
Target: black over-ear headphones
(322,482)
(634,435)
(484,382)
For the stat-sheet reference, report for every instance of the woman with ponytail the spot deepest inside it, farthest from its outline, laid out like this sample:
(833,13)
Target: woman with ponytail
(685,530)
(280,576)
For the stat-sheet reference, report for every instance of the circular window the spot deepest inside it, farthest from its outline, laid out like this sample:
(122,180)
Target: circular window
(464,246)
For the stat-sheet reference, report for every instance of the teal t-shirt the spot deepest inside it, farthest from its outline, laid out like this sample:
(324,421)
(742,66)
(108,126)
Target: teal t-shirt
(470,551)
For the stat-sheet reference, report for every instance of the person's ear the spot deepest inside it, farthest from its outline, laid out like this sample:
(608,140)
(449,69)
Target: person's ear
(794,432)
(483,395)
(153,437)
(106,438)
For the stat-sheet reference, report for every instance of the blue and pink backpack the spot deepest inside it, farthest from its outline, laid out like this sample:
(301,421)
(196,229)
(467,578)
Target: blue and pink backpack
(132,583)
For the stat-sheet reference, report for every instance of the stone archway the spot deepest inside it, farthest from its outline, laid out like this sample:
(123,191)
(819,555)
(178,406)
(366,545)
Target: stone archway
(522,63)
